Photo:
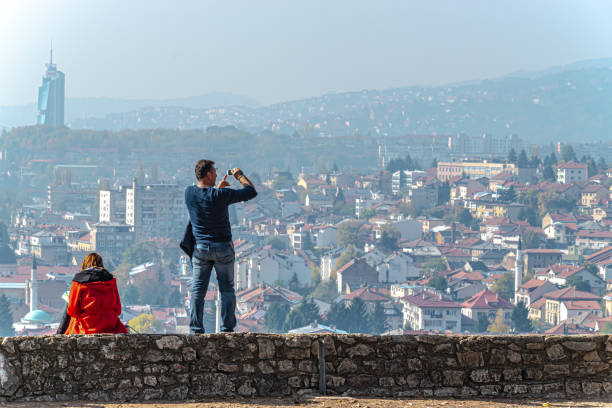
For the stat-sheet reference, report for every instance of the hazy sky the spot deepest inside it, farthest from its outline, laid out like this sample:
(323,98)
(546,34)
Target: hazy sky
(286,49)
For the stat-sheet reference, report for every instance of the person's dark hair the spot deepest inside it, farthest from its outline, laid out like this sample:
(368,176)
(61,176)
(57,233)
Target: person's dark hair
(202,168)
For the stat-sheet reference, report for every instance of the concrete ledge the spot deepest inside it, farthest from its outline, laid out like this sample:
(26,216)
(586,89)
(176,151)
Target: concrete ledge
(177,367)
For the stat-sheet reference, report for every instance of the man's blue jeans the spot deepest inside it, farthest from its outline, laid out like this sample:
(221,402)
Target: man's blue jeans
(221,255)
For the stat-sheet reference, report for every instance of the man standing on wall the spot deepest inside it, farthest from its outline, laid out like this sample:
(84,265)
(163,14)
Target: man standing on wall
(209,216)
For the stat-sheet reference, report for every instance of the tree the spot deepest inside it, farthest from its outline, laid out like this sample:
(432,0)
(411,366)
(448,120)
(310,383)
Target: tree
(139,253)
(349,253)
(6,318)
(464,216)
(523,161)
(277,243)
(275,317)
(303,314)
(567,153)
(529,239)
(378,319)
(606,328)
(438,282)
(337,316)
(294,283)
(357,317)
(389,238)
(602,165)
(578,283)
(307,244)
(145,323)
(130,295)
(443,193)
(548,173)
(520,318)
(504,286)
(508,195)
(433,266)
(482,323)
(498,325)
(326,291)
(512,156)
(348,233)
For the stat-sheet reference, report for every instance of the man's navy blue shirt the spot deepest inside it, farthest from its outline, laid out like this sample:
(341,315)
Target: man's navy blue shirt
(208,211)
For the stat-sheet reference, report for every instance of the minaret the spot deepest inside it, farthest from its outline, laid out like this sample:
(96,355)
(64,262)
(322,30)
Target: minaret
(518,269)
(33,287)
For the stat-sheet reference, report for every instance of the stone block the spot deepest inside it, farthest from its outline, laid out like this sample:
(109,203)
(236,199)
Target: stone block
(444,348)
(498,357)
(513,357)
(360,350)
(555,352)
(592,356)
(580,345)
(556,370)
(453,377)
(470,359)
(298,353)
(266,348)
(512,374)
(347,366)
(228,368)
(591,389)
(285,366)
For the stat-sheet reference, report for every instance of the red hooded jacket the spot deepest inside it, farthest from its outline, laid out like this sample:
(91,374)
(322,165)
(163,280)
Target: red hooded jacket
(94,305)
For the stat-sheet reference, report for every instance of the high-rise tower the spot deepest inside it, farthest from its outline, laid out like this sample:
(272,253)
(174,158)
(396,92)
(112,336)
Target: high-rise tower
(51,96)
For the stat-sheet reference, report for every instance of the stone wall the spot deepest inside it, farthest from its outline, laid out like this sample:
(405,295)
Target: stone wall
(175,367)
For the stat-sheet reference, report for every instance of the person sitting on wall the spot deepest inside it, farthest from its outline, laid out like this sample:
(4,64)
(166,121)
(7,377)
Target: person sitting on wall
(93,303)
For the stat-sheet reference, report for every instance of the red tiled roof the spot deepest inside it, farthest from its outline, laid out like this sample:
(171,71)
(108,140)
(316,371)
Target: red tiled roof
(594,234)
(570,293)
(533,283)
(425,299)
(572,165)
(367,295)
(582,305)
(485,299)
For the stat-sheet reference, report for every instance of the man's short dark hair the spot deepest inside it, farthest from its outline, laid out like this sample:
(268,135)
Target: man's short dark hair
(203,167)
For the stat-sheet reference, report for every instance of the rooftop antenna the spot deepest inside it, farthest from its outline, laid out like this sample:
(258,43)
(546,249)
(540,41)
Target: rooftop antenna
(51,54)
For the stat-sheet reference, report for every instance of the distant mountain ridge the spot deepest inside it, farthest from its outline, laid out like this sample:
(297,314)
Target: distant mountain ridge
(78,108)
(567,103)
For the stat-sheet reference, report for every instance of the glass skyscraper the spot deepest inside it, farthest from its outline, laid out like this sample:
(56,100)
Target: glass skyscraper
(51,96)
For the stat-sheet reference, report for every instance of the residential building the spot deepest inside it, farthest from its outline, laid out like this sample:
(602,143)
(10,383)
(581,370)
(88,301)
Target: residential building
(540,258)
(473,169)
(111,239)
(355,273)
(572,172)
(429,311)
(156,210)
(112,206)
(532,290)
(404,178)
(555,314)
(593,239)
(487,303)
(49,248)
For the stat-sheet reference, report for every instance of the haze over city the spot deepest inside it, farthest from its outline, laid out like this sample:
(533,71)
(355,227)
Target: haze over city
(275,51)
